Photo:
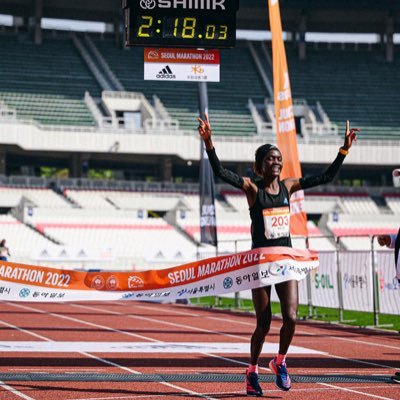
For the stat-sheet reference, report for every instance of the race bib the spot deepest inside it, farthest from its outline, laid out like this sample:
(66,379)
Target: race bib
(276,222)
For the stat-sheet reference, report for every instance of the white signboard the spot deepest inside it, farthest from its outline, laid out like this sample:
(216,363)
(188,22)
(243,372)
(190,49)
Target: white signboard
(356,271)
(324,285)
(181,65)
(389,287)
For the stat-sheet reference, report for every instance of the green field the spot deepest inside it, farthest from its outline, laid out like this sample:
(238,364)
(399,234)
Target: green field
(353,318)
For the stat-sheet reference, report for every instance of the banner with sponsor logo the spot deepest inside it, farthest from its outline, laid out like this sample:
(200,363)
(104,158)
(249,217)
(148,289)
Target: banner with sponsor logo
(389,286)
(285,123)
(167,64)
(356,269)
(208,277)
(324,283)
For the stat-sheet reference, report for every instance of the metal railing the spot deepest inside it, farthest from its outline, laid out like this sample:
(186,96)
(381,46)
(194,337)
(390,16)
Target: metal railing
(365,279)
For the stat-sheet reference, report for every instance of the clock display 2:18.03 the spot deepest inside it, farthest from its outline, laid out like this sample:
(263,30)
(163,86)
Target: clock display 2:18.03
(181,28)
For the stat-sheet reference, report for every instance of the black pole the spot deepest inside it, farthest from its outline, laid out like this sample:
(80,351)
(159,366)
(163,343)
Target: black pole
(208,226)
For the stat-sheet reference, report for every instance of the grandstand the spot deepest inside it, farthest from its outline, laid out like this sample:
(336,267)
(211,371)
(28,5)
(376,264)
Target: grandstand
(372,86)
(45,83)
(76,104)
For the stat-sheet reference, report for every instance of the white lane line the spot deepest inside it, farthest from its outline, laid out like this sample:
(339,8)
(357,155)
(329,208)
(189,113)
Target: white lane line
(240,392)
(220,333)
(193,328)
(356,391)
(169,310)
(329,337)
(15,391)
(17,328)
(44,338)
(82,321)
(311,334)
(226,334)
(232,360)
(175,387)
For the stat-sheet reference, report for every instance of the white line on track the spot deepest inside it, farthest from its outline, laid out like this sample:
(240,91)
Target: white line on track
(152,396)
(179,326)
(355,391)
(330,337)
(193,328)
(226,334)
(252,324)
(274,328)
(311,334)
(169,310)
(17,328)
(15,391)
(232,392)
(181,389)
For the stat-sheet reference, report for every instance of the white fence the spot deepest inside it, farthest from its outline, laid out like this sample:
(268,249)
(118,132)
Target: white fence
(351,280)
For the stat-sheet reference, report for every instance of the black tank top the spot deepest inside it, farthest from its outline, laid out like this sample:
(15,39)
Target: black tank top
(270,218)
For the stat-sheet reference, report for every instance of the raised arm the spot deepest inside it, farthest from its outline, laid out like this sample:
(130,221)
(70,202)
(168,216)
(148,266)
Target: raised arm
(226,175)
(295,184)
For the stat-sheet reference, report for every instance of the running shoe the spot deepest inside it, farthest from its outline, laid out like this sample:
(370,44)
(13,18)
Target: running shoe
(252,386)
(282,381)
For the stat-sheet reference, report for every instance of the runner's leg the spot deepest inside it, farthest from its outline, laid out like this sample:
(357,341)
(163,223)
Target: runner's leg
(288,294)
(262,307)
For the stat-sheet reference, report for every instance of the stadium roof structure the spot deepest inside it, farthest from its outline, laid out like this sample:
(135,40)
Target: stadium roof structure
(355,16)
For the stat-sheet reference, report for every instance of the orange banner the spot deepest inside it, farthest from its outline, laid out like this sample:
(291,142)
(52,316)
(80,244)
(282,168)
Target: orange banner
(212,276)
(285,123)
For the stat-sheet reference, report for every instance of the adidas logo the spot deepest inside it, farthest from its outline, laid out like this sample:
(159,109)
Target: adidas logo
(285,201)
(166,73)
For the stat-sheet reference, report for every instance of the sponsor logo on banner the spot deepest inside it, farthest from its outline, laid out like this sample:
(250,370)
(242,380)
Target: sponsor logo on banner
(98,282)
(186,4)
(197,74)
(198,69)
(112,283)
(166,73)
(228,282)
(135,282)
(323,281)
(207,217)
(153,55)
(354,281)
(25,292)
(5,290)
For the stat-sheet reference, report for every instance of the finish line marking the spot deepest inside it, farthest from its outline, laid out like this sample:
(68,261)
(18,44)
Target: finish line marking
(143,347)
(166,378)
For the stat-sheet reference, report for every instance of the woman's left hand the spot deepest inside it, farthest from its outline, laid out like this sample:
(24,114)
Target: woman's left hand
(350,136)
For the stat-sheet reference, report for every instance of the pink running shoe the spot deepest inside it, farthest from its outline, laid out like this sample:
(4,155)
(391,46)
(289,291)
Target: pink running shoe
(252,386)
(282,381)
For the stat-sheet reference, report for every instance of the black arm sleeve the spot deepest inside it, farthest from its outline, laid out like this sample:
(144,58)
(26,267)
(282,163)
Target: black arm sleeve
(326,176)
(228,176)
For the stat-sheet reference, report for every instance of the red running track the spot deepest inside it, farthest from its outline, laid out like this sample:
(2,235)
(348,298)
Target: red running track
(341,350)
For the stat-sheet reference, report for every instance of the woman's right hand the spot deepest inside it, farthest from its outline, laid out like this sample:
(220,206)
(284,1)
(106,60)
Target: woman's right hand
(384,240)
(205,128)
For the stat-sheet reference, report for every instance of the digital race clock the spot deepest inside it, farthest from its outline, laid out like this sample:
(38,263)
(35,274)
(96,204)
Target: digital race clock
(181,23)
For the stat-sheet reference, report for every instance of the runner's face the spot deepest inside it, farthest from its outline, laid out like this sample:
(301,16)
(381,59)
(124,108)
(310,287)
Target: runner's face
(272,164)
